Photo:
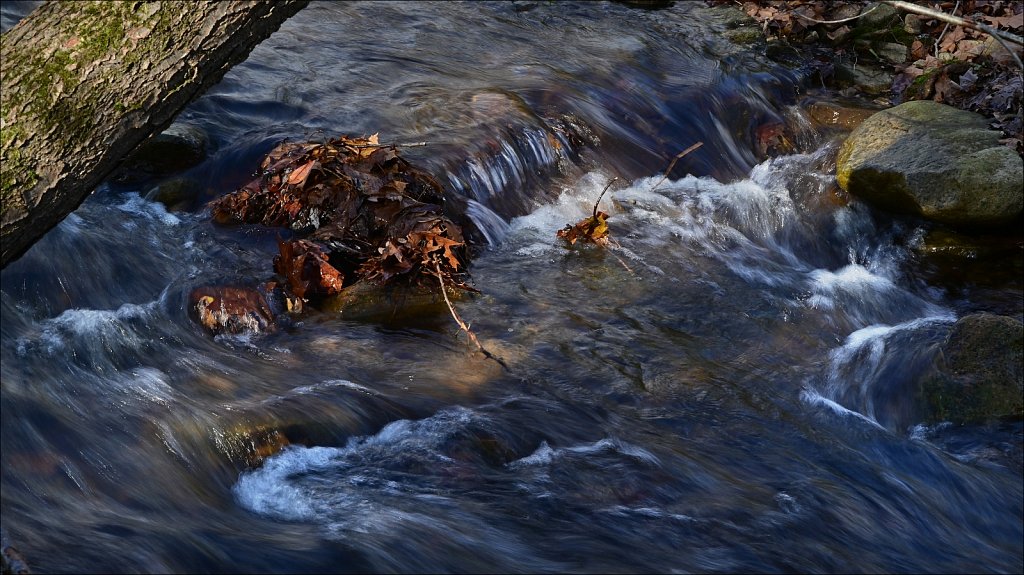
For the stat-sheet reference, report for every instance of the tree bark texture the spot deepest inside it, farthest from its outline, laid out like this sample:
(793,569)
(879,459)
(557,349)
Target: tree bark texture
(84,83)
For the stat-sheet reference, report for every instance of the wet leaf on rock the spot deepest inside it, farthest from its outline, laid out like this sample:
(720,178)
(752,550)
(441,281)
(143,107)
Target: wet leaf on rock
(306,267)
(299,175)
(593,229)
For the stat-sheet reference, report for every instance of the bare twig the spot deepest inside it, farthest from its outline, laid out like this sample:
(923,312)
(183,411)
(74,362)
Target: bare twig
(674,160)
(610,182)
(799,15)
(945,29)
(621,261)
(392,145)
(908,7)
(462,324)
(1002,43)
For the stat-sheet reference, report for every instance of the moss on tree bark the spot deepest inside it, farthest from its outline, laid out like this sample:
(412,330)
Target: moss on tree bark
(84,83)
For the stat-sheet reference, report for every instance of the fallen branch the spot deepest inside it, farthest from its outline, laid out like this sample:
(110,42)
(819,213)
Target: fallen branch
(462,324)
(83,84)
(851,18)
(945,29)
(999,35)
(674,160)
(908,7)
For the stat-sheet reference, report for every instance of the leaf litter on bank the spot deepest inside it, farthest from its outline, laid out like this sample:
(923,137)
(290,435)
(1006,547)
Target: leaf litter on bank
(958,65)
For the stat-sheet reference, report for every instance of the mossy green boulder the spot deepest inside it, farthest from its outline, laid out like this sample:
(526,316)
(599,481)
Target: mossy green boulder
(936,161)
(979,373)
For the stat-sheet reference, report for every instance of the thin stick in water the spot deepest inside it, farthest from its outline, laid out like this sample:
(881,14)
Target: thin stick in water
(674,160)
(462,324)
(610,182)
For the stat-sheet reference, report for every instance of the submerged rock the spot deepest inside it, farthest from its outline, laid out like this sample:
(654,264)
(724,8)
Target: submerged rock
(836,115)
(231,310)
(179,147)
(929,159)
(979,372)
(176,194)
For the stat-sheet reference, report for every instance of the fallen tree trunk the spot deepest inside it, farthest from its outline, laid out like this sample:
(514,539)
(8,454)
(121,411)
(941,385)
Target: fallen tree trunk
(84,83)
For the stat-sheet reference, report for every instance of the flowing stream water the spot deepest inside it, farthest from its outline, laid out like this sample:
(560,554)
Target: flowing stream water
(730,388)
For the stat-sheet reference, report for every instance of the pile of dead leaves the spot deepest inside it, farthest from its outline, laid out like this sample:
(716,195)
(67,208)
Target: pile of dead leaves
(357,211)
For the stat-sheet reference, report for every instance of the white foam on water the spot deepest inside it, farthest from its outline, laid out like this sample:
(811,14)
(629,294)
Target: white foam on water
(333,383)
(86,324)
(572,205)
(872,340)
(812,397)
(651,512)
(853,281)
(268,491)
(856,364)
(545,454)
(72,224)
(865,297)
(154,211)
(276,489)
(742,224)
(150,384)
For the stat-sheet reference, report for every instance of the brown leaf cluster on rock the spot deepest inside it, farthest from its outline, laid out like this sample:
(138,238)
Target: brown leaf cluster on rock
(306,268)
(358,212)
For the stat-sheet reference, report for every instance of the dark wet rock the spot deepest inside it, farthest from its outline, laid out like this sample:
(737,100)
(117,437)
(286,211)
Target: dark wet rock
(947,243)
(912,23)
(978,271)
(740,28)
(176,194)
(926,158)
(866,78)
(892,52)
(836,115)
(367,301)
(176,149)
(877,17)
(231,310)
(978,375)
(248,447)
(745,35)
(647,4)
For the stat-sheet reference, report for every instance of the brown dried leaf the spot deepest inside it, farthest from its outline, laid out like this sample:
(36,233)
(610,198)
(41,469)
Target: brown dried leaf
(593,229)
(299,175)
(950,40)
(305,265)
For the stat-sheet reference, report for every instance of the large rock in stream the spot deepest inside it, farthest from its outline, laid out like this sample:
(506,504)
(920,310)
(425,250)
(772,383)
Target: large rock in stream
(930,159)
(979,372)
